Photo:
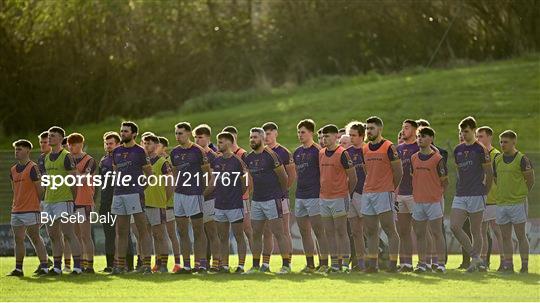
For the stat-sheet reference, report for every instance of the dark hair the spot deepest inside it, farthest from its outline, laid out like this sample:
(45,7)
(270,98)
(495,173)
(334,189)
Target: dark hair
(226,135)
(375,120)
(342,130)
(64,141)
(270,126)
(230,129)
(485,129)
(75,138)
(258,130)
(307,123)
(22,143)
(411,122)
(203,129)
(112,135)
(43,135)
(469,122)
(427,131)
(147,133)
(184,125)
(58,130)
(422,122)
(329,129)
(152,138)
(358,126)
(510,134)
(134,128)
(319,131)
(164,141)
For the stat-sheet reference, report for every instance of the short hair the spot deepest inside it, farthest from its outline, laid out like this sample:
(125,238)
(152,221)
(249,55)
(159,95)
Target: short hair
(230,129)
(486,129)
(203,129)
(411,122)
(356,125)
(468,122)
(147,133)
(151,137)
(422,122)
(330,129)
(75,138)
(134,128)
(269,126)
(112,135)
(64,141)
(342,130)
(22,143)
(184,125)
(375,120)
(319,132)
(43,135)
(164,141)
(510,134)
(58,130)
(258,130)
(427,131)
(226,135)
(307,123)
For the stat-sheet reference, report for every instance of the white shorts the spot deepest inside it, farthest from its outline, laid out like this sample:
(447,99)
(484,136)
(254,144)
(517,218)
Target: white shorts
(427,211)
(490,213)
(307,207)
(333,208)
(228,215)
(125,205)
(405,204)
(169,214)
(208,210)
(247,206)
(285,206)
(25,219)
(514,214)
(355,207)
(57,209)
(266,210)
(187,206)
(83,211)
(376,203)
(155,215)
(471,204)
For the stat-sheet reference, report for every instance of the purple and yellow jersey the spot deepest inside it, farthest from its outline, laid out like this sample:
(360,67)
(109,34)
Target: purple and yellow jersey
(470,177)
(129,161)
(228,193)
(188,163)
(261,166)
(211,155)
(357,157)
(286,158)
(212,147)
(306,162)
(405,152)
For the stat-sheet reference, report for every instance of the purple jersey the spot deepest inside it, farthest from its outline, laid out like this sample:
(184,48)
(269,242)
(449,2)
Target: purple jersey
(357,157)
(129,161)
(286,158)
(188,163)
(228,193)
(405,152)
(470,176)
(306,161)
(265,180)
(41,163)
(211,155)
(106,165)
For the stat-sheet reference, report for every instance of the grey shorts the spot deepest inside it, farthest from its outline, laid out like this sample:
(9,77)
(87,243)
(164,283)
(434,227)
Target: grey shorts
(333,208)
(187,206)
(405,204)
(427,211)
(285,206)
(228,215)
(471,204)
(514,214)
(307,207)
(83,211)
(125,205)
(266,210)
(25,219)
(490,213)
(155,215)
(355,207)
(208,210)
(58,209)
(377,203)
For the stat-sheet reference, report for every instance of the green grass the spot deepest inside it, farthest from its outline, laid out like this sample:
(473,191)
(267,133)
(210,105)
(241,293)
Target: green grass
(453,286)
(502,94)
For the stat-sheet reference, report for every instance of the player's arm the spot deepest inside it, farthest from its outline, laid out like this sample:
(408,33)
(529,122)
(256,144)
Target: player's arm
(246,178)
(353,179)
(291,174)
(395,162)
(166,170)
(442,170)
(488,170)
(528,172)
(69,165)
(210,188)
(282,176)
